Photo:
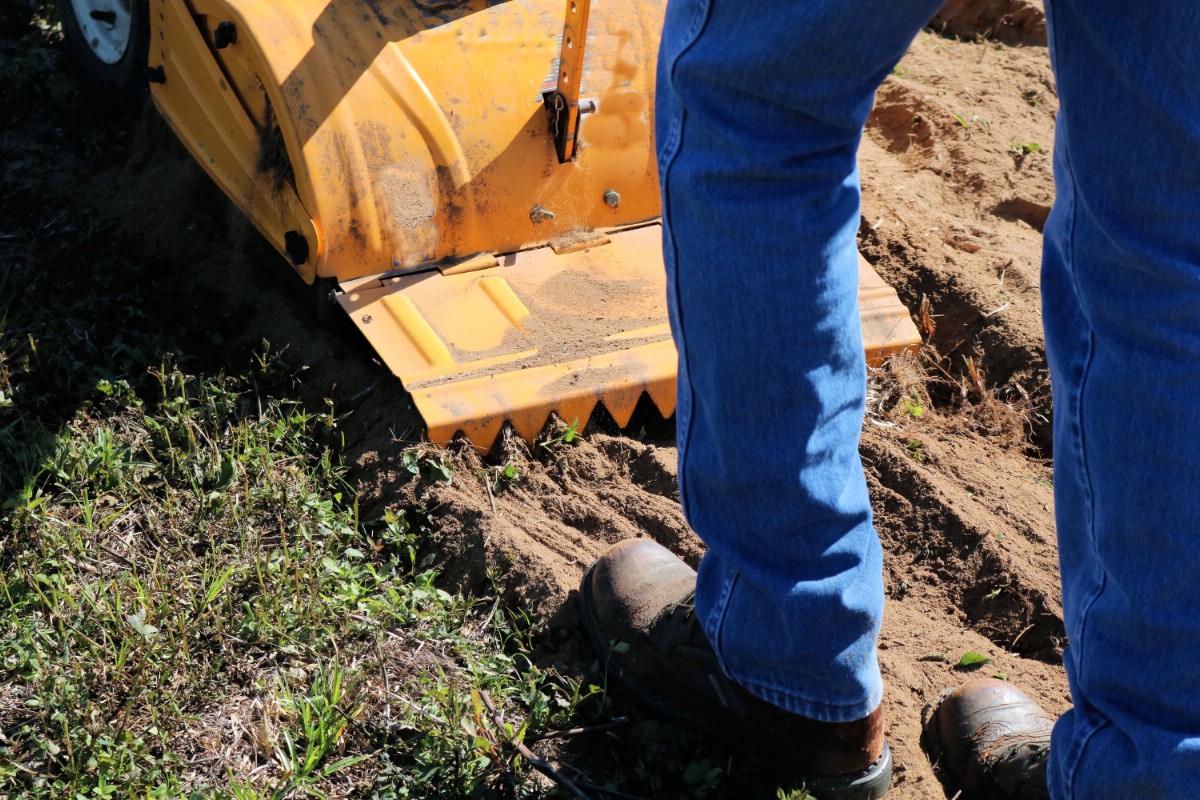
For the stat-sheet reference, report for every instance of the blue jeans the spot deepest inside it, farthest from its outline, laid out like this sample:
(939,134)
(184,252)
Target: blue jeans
(761,105)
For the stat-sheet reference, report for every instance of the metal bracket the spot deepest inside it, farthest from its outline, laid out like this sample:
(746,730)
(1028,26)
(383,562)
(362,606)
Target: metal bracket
(562,104)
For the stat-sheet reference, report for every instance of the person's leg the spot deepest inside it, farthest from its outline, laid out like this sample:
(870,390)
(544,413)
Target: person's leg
(760,110)
(1121,294)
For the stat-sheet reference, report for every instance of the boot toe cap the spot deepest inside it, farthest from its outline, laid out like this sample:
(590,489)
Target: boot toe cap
(631,583)
(992,739)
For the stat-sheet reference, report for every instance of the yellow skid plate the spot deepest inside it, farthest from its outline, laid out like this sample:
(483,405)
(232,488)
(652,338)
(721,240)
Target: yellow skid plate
(543,332)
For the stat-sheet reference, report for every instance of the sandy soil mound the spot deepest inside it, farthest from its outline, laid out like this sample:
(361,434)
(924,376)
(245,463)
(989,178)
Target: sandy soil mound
(1012,21)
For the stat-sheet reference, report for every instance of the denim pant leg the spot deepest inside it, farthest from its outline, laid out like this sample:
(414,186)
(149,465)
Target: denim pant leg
(1121,294)
(761,105)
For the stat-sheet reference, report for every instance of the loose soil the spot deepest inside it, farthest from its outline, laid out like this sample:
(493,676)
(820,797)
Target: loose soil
(956,188)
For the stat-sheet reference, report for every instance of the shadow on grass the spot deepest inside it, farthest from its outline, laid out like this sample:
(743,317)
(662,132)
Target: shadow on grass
(117,255)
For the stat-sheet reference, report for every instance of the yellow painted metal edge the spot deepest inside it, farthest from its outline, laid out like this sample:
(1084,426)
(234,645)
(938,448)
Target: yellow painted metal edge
(479,407)
(205,113)
(887,327)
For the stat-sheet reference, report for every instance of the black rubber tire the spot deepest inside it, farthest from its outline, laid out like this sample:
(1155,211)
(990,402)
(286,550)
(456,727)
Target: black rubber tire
(125,79)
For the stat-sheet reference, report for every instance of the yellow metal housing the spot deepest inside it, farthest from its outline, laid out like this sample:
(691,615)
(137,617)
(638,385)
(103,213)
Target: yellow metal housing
(404,149)
(413,133)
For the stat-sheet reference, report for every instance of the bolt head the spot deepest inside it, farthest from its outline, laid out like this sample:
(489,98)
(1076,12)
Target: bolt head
(612,198)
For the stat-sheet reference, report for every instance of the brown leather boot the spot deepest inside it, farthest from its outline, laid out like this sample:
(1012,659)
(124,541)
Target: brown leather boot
(636,606)
(992,739)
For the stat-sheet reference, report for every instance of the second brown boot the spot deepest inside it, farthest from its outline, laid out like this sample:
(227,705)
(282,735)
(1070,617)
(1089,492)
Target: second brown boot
(992,739)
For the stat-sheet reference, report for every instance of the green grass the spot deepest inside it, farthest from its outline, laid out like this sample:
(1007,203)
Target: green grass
(198,550)
(190,603)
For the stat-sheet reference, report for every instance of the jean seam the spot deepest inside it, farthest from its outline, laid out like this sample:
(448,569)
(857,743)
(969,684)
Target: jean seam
(1072,759)
(716,620)
(675,145)
(1078,421)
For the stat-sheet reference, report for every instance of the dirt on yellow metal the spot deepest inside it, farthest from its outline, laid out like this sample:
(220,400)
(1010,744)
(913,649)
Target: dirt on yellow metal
(540,332)
(553,330)
(405,151)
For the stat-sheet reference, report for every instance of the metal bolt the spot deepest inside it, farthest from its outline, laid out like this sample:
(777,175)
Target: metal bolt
(367,319)
(539,214)
(612,198)
(225,35)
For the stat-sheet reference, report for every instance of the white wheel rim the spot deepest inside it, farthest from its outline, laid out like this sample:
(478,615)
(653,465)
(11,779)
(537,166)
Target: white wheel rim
(105,25)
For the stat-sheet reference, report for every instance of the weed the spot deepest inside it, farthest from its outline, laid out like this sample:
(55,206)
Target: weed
(1021,149)
(566,437)
(977,383)
(912,407)
(476,711)
(983,124)
(972,660)
(501,476)
(702,777)
(897,387)
(429,462)
(317,723)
